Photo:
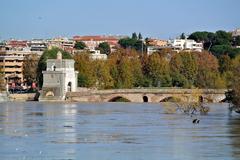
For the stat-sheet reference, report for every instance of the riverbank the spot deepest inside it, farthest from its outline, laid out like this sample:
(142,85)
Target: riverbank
(4,97)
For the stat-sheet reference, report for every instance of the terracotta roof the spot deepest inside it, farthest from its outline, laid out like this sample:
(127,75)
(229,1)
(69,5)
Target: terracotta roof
(95,38)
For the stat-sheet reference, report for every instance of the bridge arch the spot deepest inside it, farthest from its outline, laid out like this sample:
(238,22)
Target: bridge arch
(145,99)
(119,99)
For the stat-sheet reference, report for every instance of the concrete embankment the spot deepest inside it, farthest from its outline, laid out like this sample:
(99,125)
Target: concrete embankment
(3,97)
(23,97)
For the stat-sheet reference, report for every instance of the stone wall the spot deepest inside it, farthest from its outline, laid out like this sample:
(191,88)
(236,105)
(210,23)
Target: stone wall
(151,95)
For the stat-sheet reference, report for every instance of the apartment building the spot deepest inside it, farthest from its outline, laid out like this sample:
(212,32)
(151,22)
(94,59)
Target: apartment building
(16,45)
(236,32)
(63,43)
(185,44)
(93,41)
(157,42)
(95,54)
(37,45)
(11,62)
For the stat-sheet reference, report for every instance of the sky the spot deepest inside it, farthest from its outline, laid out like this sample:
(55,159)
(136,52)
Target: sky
(28,19)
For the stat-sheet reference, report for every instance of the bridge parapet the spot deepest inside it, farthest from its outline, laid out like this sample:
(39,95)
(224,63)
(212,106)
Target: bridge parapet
(152,95)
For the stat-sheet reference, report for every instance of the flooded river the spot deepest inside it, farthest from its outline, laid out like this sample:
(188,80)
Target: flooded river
(115,131)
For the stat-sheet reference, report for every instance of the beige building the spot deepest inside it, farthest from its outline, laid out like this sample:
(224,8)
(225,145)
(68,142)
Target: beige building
(157,42)
(236,32)
(11,63)
(63,43)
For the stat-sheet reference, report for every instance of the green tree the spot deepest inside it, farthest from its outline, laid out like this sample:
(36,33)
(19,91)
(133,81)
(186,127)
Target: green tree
(132,43)
(234,95)
(199,36)
(85,66)
(236,41)
(182,36)
(80,45)
(159,71)
(219,50)
(126,42)
(223,38)
(134,36)
(42,63)
(140,36)
(104,48)
(125,79)
(102,73)
(225,63)
(125,68)
(183,69)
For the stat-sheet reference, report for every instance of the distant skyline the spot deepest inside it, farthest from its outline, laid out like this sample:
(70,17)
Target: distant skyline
(27,19)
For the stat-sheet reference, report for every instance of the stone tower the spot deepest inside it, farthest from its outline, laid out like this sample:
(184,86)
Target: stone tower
(59,78)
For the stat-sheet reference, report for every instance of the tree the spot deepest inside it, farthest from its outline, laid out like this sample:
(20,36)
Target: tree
(125,79)
(183,69)
(134,36)
(80,45)
(102,73)
(30,64)
(125,68)
(2,81)
(126,42)
(104,48)
(233,96)
(222,38)
(199,36)
(85,67)
(136,69)
(225,63)
(42,63)
(140,36)
(236,41)
(208,75)
(133,43)
(219,50)
(182,36)
(159,71)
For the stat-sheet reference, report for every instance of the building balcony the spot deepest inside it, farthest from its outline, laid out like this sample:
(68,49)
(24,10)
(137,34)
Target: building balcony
(11,64)
(12,69)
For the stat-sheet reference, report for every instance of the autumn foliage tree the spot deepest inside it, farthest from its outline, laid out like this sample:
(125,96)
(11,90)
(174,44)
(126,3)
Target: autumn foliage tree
(184,69)
(30,64)
(2,81)
(84,65)
(208,75)
(159,71)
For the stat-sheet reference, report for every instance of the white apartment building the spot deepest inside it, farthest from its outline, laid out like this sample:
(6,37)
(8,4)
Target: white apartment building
(37,45)
(95,54)
(236,32)
(185,44)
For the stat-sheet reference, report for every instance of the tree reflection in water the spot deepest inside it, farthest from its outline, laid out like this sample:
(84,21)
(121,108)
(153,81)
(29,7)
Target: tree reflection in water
(234,133)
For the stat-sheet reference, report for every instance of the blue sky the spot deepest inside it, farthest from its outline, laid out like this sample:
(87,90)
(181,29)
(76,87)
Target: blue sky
(26,19)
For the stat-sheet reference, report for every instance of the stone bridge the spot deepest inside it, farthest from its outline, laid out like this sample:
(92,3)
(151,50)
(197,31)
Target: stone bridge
(148,95)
